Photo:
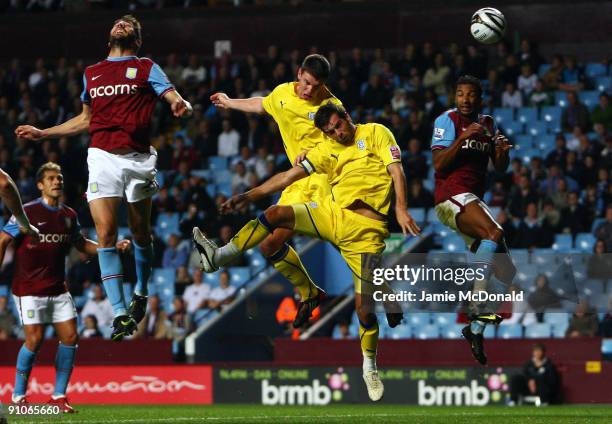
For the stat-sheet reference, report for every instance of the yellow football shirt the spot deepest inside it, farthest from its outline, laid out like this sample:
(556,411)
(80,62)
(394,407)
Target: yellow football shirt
(295,117)
(358,171)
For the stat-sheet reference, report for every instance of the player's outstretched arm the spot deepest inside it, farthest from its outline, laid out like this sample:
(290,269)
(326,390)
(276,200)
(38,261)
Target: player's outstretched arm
(178,105)
(250,105)
(405,221)
(73,126)
(12,200)
(442,158)
(275,184)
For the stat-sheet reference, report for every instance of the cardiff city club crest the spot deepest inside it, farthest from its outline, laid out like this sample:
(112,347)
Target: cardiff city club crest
(361,144)
(311,115)
(130,73)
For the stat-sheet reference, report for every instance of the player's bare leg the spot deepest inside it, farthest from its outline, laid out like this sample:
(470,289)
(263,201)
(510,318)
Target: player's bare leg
(104,214)
(139,221)
(475,222)
(368,336)
(25,360)
(285,260)
(64,362)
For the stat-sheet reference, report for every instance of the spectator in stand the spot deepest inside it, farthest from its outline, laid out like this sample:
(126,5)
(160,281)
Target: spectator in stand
(538,378)
(605,326)
(527,81)
(180,327)
(572,77)
(174,255)
(511,97)
(437,76)
(155,324)
(286,312)
(575,114)
(604,230)
(521,195)
(602,113)
(600,263)
(539,97)
(375,95)
(228,141)
(98,306)
(197,294)
(583,323)
(82,274)
(414,161)
(222,295)
(574,218)
(532,232)
(557,156)
(241,179)
(543,298)
(173,69)
(183,153)
(418,196)
(7,319)
(90,328)
(194,73)
(343,329)
(554,75)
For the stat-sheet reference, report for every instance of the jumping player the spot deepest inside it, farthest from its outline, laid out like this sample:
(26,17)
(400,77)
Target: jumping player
(463,143)
(12,200)
(118,98)
(39,287)
(293,106)
(362,163)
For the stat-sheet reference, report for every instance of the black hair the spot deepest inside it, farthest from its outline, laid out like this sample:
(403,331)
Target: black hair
(325,112)
(317,66)
(470,80)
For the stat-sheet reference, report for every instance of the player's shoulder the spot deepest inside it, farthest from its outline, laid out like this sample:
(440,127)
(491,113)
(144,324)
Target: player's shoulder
(449,114)
(32,204)
(377,130)
(68,210)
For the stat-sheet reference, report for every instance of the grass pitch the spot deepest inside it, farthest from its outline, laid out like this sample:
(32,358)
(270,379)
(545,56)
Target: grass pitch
(352,414)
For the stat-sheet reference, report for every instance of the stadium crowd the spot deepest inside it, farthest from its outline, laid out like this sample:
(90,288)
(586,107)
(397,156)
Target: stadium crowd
(202,160)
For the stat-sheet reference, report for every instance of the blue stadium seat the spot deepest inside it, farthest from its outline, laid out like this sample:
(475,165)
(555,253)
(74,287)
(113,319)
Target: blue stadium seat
(552,116)
(431,215)
(453,243)
(79,301)
(543,68)
(225,189)
(512,128)
(217,163)
(544,142)
(211,189)
(523,141)
(451,331)
(160,177)
(559,322)
(444,318)
(525,115)
(255,258)
(4,290)
(201,173)
(212,278)
(593,70)
(418,214)
(167,223)
(419,319)
(123,232)
(525,275)
(528,154)
(403,331)
(239,275)
(561,98)
(160,278)
(510,331)
(520,257)
(563,242)
(537,128)
(223,176)
(538,330)
(443,99)
(503,115)
(589,98)
(596,223)
(603,83)
(425,332)
(590,289)
(585,242)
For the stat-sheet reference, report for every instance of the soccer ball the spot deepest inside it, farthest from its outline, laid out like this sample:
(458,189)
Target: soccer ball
(488,25)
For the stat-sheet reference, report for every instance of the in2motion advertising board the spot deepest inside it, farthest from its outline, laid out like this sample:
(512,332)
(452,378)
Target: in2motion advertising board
(326,385)
(119,384)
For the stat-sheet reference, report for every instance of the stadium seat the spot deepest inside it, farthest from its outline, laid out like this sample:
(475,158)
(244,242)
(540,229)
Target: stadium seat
(453,243)
(160,178)
(522,141)
(239,275)
(563,242)
(561,98)
(512,128)
(590,289)
(201,173)
(596,223)
(525,115)
(593,70)
(537,128)
(538,330)
(223,176)
(167,223)
(585,242)
(603,83)
(225,189)
(123,232)
(444,318)
(419,319)
(528,154)
(212,278)
(451,331)
(552,116)
(418,214)
(510,331)
(543,68)
(255,258)
(79,301)
(503,115)
(519,257)
(525,275)
(4,290)
(161,278)
(211,189)
(426,332)
(589,98)
(431,216)
(402,331)
(545,143)
(217,163)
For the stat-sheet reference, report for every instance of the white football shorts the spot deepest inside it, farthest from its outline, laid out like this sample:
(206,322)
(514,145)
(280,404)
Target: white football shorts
(45,309)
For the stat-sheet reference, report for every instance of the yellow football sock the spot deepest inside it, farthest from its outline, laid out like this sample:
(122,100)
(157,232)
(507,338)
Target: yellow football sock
(252,233)
(287,262)
(369,339)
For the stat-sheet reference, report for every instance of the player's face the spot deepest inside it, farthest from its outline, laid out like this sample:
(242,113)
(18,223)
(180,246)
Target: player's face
(307,86)
(467,99)
(122,34)
(340,129)
(52,185)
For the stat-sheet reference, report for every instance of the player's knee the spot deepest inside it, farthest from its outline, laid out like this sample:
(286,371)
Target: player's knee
(70,339)
(33,341)
(366,317)
(107,237)
(271,245)
(278,216)
(494,233)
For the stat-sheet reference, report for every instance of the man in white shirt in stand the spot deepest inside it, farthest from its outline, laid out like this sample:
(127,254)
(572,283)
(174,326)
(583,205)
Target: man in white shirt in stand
(196,295)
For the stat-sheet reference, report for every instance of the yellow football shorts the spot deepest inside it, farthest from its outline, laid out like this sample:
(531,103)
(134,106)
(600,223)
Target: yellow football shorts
(359,239)
(312,188)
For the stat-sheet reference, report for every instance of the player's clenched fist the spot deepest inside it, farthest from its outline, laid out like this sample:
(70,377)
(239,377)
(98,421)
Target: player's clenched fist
(234,203)
(181,108)
(29,132)
(220,100)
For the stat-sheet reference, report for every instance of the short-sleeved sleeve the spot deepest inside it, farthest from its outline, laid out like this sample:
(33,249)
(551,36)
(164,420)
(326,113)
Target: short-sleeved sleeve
(386,146)
(158,81)
(75,234)
(271,103)
(317,160)
(443,133)
(11,227)
(85,95)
